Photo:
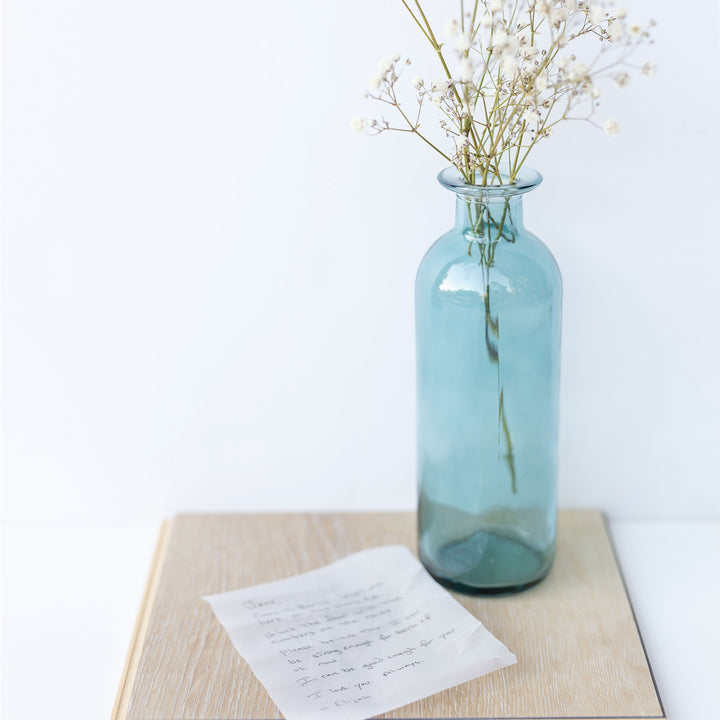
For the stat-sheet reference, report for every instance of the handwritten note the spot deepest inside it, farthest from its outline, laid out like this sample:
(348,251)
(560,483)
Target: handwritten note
(358,637)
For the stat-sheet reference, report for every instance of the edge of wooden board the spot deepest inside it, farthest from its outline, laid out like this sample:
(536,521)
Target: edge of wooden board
(611,542)
(127,679)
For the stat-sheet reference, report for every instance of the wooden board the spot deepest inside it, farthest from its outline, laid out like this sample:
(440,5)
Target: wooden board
(579,651)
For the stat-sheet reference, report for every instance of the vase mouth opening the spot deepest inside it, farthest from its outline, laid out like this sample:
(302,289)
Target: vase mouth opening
(527,179)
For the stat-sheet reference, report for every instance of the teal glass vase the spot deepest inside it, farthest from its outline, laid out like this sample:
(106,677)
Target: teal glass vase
(488,314)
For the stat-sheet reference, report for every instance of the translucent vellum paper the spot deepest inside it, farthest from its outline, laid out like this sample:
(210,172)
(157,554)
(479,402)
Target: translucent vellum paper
(361,636)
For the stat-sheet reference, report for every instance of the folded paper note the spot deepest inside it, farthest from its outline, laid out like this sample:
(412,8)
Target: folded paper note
(361,636)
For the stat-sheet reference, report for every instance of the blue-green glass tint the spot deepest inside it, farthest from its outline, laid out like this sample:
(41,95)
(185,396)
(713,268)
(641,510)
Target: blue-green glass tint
(488,307)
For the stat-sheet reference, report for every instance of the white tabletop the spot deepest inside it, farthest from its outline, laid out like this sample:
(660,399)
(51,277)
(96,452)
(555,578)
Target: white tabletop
(70,597)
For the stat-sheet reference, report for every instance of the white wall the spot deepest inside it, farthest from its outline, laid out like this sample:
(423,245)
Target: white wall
(207,278)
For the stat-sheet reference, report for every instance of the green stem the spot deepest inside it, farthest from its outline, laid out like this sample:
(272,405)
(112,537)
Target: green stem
(483,224)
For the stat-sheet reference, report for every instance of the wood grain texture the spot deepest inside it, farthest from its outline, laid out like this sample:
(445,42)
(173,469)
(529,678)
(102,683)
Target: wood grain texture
(578,648)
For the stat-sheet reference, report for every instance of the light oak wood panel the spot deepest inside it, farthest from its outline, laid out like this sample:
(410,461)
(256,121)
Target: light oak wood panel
(578,648)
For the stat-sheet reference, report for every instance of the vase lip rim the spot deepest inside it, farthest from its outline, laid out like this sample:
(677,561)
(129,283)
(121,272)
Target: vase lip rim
(527,179)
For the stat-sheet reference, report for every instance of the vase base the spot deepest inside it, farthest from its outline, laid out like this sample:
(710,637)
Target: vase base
(490,590)
(487,563)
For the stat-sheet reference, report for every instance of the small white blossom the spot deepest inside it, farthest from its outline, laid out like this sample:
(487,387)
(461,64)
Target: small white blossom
(577,72)
(512,43)
(451,28)
(463,43)
(622,79)
(509,66)
(541,81)
(621,13)
(611,128)
(500,38)
(496,6)
(616,30)
(486,21)
(558,15)
(466,70)
(418,82)
(596,14)
(595,92)
(375,82)
(523,35)
(634,30)
(531,117)
(528,52)
(384,66)
(357,124)
(648,69)
(441,87)
(395,56)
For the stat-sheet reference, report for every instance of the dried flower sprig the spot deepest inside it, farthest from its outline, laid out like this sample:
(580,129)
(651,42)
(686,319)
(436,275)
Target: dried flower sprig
(516,74)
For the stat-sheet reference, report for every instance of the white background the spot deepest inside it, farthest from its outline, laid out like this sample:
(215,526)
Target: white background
(207,304)
(208,278)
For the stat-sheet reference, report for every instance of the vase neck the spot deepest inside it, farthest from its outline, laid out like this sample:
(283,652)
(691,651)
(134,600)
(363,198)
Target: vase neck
(489,219)
(488,213)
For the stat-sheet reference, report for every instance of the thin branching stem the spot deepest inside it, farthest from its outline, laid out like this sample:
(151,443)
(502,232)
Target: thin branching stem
(517,78)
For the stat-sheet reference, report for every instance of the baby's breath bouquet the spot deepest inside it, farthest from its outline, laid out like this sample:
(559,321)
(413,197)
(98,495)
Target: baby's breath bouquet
(509,72)
(488,292)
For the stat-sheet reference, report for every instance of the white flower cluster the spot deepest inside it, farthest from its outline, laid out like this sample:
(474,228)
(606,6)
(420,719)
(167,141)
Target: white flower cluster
(512,70)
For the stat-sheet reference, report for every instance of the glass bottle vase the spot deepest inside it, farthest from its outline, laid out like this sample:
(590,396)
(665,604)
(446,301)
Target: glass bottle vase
(488,312)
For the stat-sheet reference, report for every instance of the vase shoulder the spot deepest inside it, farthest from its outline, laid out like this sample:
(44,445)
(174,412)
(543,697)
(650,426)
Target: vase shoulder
(523,272)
